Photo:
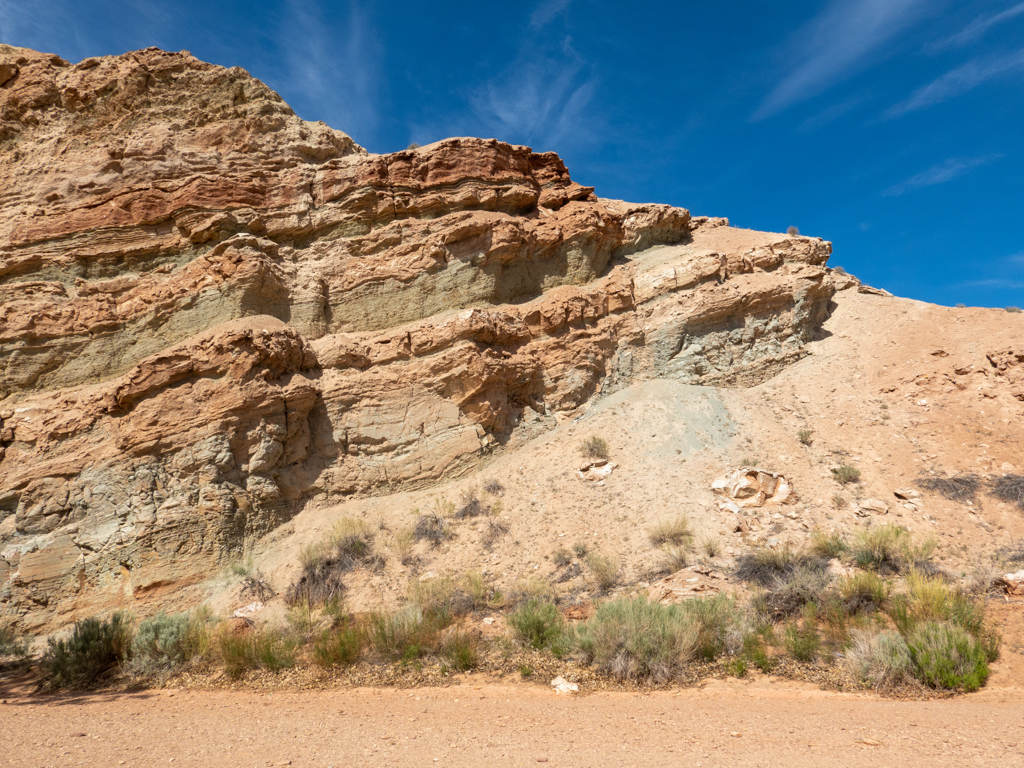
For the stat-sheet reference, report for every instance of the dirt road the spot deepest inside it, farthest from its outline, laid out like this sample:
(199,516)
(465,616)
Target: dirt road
(722,724)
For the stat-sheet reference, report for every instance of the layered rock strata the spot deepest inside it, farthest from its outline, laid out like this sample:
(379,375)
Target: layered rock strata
(213,313)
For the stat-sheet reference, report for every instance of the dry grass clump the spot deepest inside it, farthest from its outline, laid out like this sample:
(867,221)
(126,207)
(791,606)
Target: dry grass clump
(432,526)
(594,447)
(962,487)
(341,645)
(828,545)
(674,558)
(764,565)
(1009,488)
(863,592)
(711,546)
(324,563)
(270,649)
(791,590)
(846,474)
(890,549)
(675,531)
(533,588)
(882,660)
(604,569)
(805,436)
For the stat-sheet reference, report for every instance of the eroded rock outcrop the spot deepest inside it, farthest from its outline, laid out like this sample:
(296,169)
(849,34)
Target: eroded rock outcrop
(213,312)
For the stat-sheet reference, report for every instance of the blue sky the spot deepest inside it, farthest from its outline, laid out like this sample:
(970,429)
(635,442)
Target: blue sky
(894,128)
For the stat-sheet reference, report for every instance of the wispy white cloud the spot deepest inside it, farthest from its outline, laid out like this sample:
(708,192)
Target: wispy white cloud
(545,13)
(832,113)
(335,71)
(939,174)
(977,28)
(832,46)
(959,81)
(541,99)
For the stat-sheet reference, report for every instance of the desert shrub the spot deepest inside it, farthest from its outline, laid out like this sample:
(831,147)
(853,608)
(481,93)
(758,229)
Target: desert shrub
(947,656)
(402,543)
(1013,553)
(634,639)
(801,638)
(94,649)
(1009,488)
(441,597)
(1013,309)
(828,545)
(755,652)
(890,549)
(413,145)
(561,557)
(791,590)
(480,592)
(495,530)
(160,642)
(461,650)
(961,305)
(846,474)
(805,436)
(792,231)
(11,643)
(962,487)
(469,506)
(881,660)
(929,598)
(594,447)
(737,667)
(339,646)
(324,563)
(604,569)
(839,270)
(493,487)
(674,531)
(674,558)
(764,565)
(716,619)
(533,588)
(863,592)
(406,634)
(432,526)
(839,501)
(580,549)
(711,546)
(537,624)
(269,649)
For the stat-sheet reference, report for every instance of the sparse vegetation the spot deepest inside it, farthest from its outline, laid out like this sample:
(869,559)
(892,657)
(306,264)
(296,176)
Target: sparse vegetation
(882,660)
(839,501)
(94,649)
(863,592)
(324,563)
(792,231)
(828,545)
(604,569)
(765,565)
(533,588)
(11,643)
(1013,309)
(889,549)
(270,649)
(1009,488)
(792,590)
(839,270)
(432,526)
(805,436)
(561,557)
(961,488)
(846,474)
(675,557)
(801,638)
(711,546)
(339,646)
(493,487)
(594,447)
(961,305)
(675,531)
(580,549)
(537,624)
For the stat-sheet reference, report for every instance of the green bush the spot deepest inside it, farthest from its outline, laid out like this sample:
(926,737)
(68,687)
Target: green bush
(341,646)
(11,644)
(406,634)
(846,474)
(537,624)
(94,649)
(755,652)
(805,436)
(716,619)
(947,656)
(634,639)
(461,651)
(161,642)
(889,549)
(801,638)
(268,649)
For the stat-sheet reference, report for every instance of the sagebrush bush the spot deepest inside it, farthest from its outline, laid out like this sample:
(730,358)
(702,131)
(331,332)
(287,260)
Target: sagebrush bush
(947,656)
(94,649)
(533,588)
(890,549)
(635,639)
(594,447)
(675,531)
(161,642)
(718,620)
(880,660)
(791,590)
(537,623)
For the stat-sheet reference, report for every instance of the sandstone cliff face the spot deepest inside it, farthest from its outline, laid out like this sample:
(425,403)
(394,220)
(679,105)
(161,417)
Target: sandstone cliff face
(213,313)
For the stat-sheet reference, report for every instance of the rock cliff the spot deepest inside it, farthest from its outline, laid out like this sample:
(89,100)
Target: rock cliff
(213,313)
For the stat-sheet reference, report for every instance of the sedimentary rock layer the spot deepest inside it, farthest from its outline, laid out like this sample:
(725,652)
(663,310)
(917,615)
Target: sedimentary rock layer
(213,312)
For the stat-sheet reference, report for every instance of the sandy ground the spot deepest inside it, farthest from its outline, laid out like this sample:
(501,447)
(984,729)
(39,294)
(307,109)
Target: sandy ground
(726,723)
